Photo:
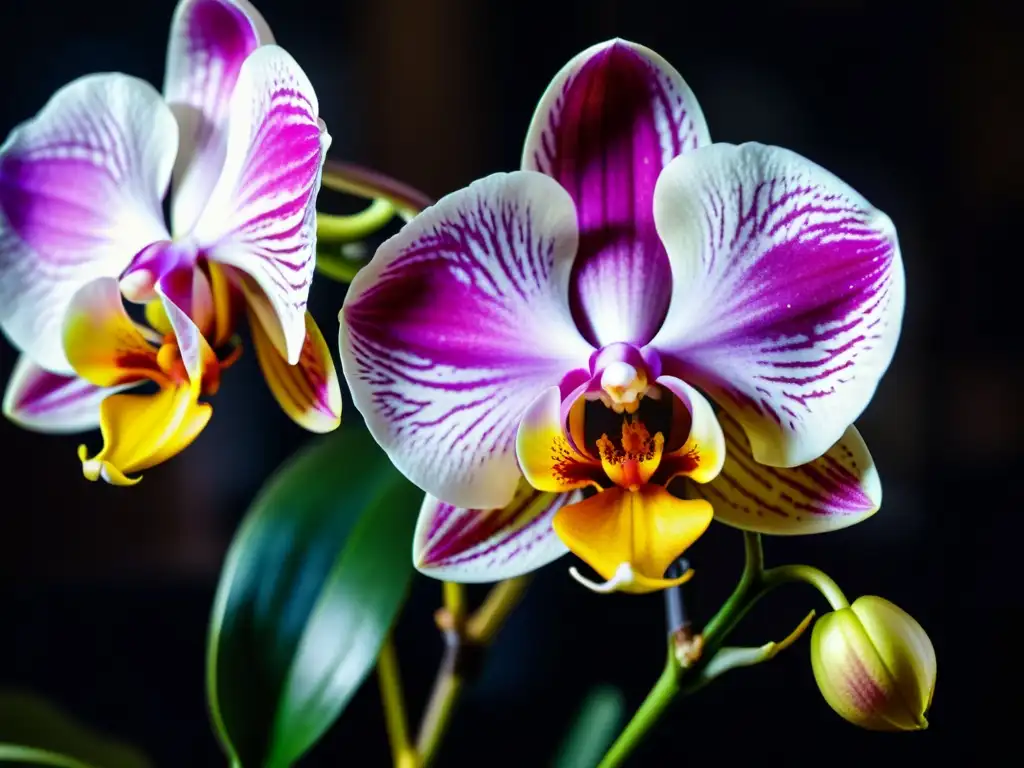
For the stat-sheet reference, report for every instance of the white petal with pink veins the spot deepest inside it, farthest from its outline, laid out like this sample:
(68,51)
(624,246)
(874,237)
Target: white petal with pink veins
(456,325)
(80,194)
(788,294)
(41,401)
(209,41)
(261,217)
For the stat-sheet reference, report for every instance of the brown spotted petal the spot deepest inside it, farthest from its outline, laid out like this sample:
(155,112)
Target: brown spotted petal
(835,491)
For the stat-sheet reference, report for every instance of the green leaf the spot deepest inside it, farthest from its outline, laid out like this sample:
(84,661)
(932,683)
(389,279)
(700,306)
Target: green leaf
(27,755)
(596,725)
(312,583)
(35,731)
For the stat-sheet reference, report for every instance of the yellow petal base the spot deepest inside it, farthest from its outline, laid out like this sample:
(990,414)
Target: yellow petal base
(141,431)
(631,537)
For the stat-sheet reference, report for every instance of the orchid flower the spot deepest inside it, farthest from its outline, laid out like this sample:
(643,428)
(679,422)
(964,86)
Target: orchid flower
(537,351)
(238,137)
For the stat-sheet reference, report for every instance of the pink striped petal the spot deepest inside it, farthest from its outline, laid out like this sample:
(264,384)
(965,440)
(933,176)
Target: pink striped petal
(456,325)
(835,491)
(608,124)
(261,217)
(80,191)
(210,39)
(480,545)
(787,294)
(41,401)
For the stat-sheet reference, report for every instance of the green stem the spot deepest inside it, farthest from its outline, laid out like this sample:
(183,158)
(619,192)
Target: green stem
(402,752)
(337,267)
(754,583)
(332,228)
(742,598)
(657,701)
(464,633)
(363,182)
(441,706)
(715,632)
(809,575)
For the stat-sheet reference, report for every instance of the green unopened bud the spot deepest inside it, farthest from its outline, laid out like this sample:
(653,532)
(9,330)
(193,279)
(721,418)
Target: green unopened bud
(875,665)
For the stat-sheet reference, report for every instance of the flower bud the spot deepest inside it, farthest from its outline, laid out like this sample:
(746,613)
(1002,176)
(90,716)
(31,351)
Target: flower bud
(875,665)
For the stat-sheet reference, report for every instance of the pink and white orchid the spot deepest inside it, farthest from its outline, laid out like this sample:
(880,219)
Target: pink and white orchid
(559,329)
(237,135)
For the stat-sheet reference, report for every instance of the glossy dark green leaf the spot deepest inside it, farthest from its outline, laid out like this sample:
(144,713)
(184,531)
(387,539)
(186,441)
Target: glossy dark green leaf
(34,731)
(594,729)
(312,583)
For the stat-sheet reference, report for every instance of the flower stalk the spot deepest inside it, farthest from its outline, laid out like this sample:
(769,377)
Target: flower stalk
(394,707)
(332,228)
(686,662)
(466,637)
(355,180)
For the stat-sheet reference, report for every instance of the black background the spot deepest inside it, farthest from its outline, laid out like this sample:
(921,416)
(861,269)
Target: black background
(105,592)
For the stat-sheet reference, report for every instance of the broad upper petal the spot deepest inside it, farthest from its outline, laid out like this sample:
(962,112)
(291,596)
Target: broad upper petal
(41,401)
(308,391)
(457,324)
(788,294)
(210,39)
(484,545)
(632,537)
(81,185)
(607,125)
(835,491)
(261,216)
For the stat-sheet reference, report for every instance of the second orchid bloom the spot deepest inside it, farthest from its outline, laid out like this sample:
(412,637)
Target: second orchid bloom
(237,136)
(537,350)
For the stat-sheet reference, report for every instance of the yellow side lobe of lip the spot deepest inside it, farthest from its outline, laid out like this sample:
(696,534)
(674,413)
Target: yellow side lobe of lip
(141,431)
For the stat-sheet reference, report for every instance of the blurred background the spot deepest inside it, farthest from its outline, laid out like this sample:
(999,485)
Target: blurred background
(105,593)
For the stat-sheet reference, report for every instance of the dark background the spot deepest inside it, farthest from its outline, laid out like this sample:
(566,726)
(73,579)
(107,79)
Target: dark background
(105,592)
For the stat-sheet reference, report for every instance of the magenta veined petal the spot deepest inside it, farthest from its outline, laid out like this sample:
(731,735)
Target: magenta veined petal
(209,41)
(42,401)
(484,545)
(81,186)
(456,325)
(607,125)
(836,490)
(788,294)
(261,217)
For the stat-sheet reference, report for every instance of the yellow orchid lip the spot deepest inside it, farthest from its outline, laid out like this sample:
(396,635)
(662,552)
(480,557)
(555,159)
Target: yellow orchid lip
(632,530)
(631,537)
(106,347)
(141,431)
